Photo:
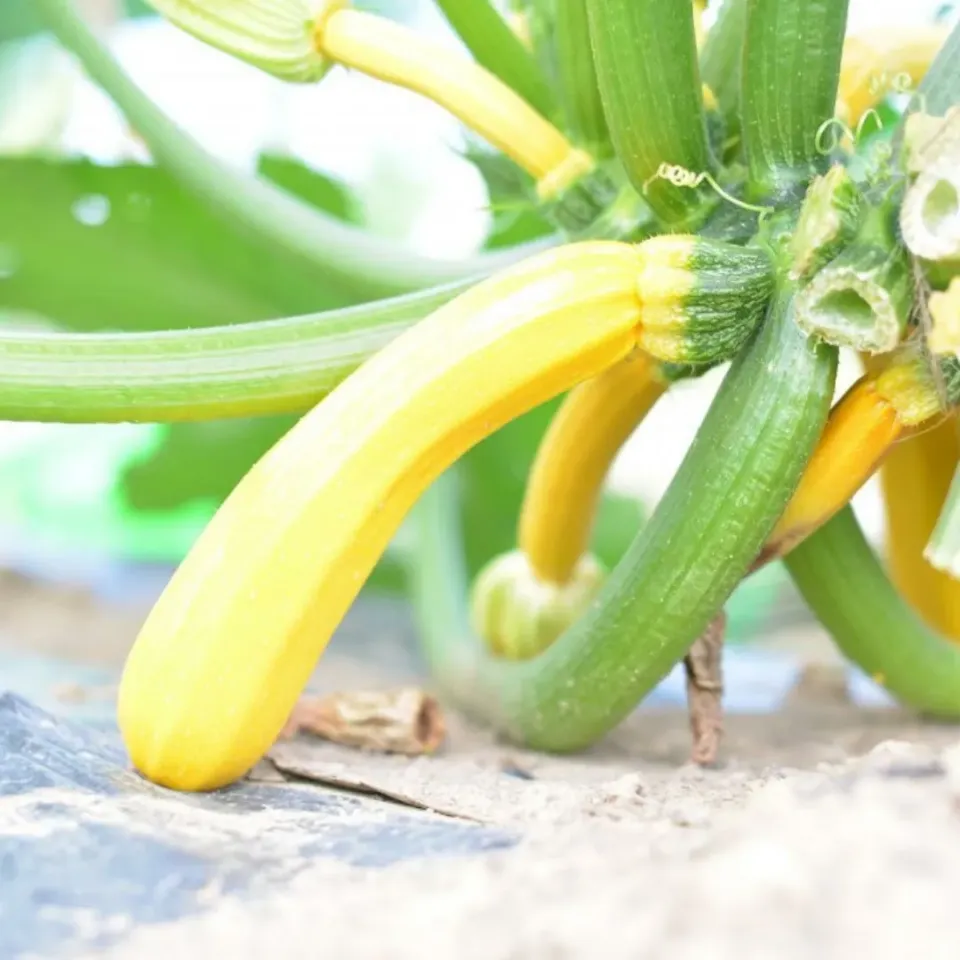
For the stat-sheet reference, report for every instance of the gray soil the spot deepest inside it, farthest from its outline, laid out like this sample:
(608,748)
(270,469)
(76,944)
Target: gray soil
(827,831)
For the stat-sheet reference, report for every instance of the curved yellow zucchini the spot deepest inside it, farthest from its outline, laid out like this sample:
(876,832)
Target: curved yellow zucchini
(861,431)
(391,52)
(231,643)
(574,458)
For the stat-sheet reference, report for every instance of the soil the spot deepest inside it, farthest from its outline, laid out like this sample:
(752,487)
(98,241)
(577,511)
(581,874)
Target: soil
(825,831)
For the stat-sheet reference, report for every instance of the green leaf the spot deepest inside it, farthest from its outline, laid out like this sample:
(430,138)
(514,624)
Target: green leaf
(95,247)
(200,461)
(310,239)
(516,218)
(311,186)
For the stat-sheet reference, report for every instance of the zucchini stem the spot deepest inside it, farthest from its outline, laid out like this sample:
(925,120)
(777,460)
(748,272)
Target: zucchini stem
(241,370)
(646,63)
(577,77)
(848,591)
(790,72)
(863,298)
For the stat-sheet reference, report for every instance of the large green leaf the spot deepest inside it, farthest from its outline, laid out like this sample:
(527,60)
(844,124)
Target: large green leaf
(200,461)
(315,188)
(94,247)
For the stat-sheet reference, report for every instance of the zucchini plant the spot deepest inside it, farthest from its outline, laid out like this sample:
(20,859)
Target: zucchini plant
(715,196)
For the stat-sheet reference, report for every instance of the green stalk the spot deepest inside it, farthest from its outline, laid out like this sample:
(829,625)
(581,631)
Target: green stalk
(580,93)
(310,236)
(940,88)
(791,67)
(211,373)
(943,550)
(830,219)
(646,63)
(731,488)
(497,48)
(850,594)
(864,297)
(720,61)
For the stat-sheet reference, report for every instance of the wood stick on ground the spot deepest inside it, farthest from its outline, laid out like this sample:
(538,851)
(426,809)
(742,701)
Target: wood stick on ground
(406,721)
(704,668)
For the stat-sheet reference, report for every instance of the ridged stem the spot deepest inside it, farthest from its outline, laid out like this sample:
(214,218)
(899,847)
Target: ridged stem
(308,235)
(791,68)
(580,92)
(241,370)
(725,499)
(720,60)
(864,297)
(646,61)
(850,594)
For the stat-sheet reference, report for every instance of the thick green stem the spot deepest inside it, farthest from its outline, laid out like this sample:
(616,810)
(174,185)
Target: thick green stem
(495,46)
(730,490)
(202,374)
(863,298)
(580,92)
(943,550)
(791,67)
(721,58)
(307,234)
(850,594)
(646,61)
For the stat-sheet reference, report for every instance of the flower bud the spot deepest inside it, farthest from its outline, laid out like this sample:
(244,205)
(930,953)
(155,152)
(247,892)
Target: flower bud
(276,36)
(518,615)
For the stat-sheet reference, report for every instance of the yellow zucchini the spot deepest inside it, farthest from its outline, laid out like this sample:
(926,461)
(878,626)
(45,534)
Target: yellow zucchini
(231,643)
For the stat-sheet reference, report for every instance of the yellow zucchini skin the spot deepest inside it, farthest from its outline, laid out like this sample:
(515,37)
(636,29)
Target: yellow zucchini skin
(591,427)
(883,61)
(916,479)
(231,643)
